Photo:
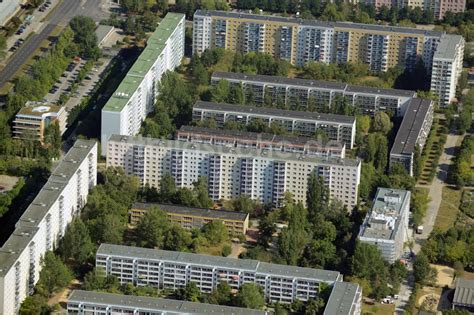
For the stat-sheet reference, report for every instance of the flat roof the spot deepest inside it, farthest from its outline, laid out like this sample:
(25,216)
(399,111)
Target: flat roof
(27,225)
(342,299)
(216,261)
(38,109)
(274,112)
(155,304)
(316,23)
(447,47)
(315,84)
(143,64)
(239,135)
(240,152)
(382,211)
(410,127)
(201,212)
(464,293)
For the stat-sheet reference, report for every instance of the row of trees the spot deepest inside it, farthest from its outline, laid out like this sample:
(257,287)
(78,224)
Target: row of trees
(461,174)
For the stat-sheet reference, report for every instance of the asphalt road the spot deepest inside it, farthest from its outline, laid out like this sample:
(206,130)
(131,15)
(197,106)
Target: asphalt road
(61,15)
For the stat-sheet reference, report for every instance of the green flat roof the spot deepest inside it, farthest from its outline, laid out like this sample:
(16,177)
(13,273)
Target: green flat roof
(155,45)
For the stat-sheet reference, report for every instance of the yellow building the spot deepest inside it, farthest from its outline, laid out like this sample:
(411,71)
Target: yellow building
(189,218)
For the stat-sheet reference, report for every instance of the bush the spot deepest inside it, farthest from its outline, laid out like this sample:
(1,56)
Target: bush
(226,250)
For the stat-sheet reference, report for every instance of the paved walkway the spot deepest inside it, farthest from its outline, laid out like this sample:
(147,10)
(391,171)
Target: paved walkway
(435,195)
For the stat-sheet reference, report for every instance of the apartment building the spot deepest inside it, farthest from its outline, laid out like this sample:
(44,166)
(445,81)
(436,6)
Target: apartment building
(320,95)
(300,41)
(413,132)
(100,303)
(44,222)
(189,218)
(447,68)
(337,127)
(345,299)
(173,270)
(386,225)
(137,93)
(262,175)
(32,120)
(8,9)
(244,139)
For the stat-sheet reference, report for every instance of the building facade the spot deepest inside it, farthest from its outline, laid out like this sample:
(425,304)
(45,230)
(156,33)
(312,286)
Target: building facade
(137,93)
(100,303)
(413,132)
(316,95)
(190,218)
(44,222)
(447,68)
(300,41)
(174,270)
(244,139)
(337,127)
(32,120)
(386,225)
(262,175)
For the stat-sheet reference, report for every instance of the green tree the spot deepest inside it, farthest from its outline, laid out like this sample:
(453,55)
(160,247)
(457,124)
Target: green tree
(54,274)
(317,197)
(177,238)
(250,296)
(34,305)
(220,92)
(236,94)
(222,294)
(202,196)
(190,292)
(76,245)
(167,188)
(381,123)
(215,232)
(292,240)
(244,203)
(424,273)
(85,36)
(152,228)
(3,46)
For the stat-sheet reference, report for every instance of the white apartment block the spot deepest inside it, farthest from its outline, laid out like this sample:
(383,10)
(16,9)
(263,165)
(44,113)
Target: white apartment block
(300,92)
(44,222)
(345,299)
(337,127)
(264,175)
(174,270)
(447,67)
(137,93)
(386,225)
(100,303)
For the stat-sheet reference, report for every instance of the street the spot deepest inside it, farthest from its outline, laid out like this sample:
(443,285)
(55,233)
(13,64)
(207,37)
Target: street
(435,197)
(60,15)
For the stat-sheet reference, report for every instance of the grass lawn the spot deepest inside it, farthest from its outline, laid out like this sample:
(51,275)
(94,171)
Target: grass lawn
(378,308)
(448,209)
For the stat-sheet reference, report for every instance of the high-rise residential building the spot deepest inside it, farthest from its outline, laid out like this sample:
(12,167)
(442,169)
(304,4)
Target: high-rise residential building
(245,139)
(413,132)
(263,175)
(31,121)
(300,41)
(190,218)
(100,303)
(137,93)
(386,224)
(336,127)
(447,68)
(174,270)
(44,222)
(316,95)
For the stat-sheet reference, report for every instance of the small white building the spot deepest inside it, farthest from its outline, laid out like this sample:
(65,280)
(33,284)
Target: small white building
(386,224)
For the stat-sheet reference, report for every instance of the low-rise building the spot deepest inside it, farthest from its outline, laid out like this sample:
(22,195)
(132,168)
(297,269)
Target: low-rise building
(345,299)
(316,95)
(44,222)
(263,175)
(245,139)
(189,218)
(413,132)
(386,224)
(464,295)
(34,118)
(100,303)
(337,127)
(174,270)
